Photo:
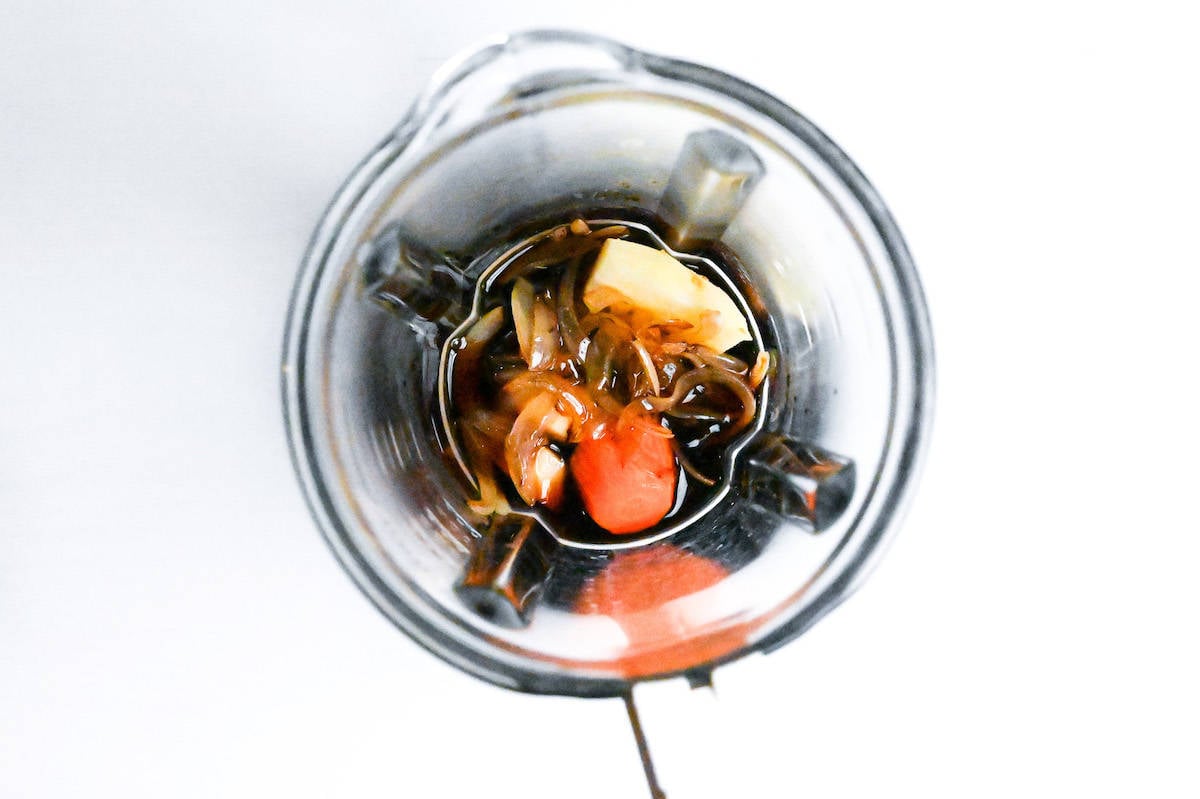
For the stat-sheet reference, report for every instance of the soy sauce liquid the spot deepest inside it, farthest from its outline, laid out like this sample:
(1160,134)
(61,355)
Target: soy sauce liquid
(698,439)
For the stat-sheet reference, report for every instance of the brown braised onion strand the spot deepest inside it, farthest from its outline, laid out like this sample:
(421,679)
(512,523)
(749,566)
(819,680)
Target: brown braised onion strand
(522,304)
(543,351)
(491,499)
(683,386)
(610,232)
(599,371)
(568,319)
(721,360)
(688,414)
(573,400)
(523,442)
(491,425)
(548,252)
(709,375)
(648,367)
(689,467)
(485,329)
(759,373)
(610,324)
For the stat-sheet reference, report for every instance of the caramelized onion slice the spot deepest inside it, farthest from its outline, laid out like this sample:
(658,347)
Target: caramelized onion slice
(522,316)
(636,416)
(689,467)
(522,445)
(549,477)
(574,401)
(720,360)
(491,499)
(706,376)
(491,425)
(648,367)
(544,342)
(610,232)
(610,324)
(568,318)
(485,329)
(758,373)
(548,252)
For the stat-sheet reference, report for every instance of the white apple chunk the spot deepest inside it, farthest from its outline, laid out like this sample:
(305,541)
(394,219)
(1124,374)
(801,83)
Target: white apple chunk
(654,287)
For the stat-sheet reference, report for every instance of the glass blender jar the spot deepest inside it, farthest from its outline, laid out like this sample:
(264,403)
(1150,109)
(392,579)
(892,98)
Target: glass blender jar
(535,130)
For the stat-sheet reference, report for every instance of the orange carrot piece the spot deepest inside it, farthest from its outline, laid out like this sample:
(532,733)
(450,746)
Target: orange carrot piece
(626,477)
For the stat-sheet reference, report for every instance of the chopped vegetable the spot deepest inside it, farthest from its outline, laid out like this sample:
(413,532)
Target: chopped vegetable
(608,383)
(522,315)
(630,277)
(626,477)
(544,345)
(550,473)
(759,372)
(536,470)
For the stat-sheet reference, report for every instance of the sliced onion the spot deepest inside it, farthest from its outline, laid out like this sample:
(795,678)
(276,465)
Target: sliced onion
(485,329)
(597,364)
(491,425)
(720,360)
(749,405)
(504,371)
(708,375)
(610,232)
(549,477)
(522,315)
(598,369)
(544,346)
(683,387)
(478,457)
(557,426)
(573,400)
(689,414)
(636,416)
(548,252)
(759,372)
(465,370)
(613,326)
(668,326)
(648,367)
(689,467)
(523,442)
(491,499)
(657,335)
(568,319)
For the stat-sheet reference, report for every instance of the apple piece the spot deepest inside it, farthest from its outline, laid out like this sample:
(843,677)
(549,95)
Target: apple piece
(654,287)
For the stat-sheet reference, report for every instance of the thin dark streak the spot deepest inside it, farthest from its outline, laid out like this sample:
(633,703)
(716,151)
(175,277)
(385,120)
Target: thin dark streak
(639,735)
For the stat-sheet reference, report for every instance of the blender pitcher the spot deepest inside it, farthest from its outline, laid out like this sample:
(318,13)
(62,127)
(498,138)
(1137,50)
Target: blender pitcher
(536,130)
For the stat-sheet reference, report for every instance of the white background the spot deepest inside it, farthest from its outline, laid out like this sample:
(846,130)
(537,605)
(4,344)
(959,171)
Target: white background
(172,625)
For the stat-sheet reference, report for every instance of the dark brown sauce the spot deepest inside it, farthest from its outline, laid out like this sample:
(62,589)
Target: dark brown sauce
(476,377)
